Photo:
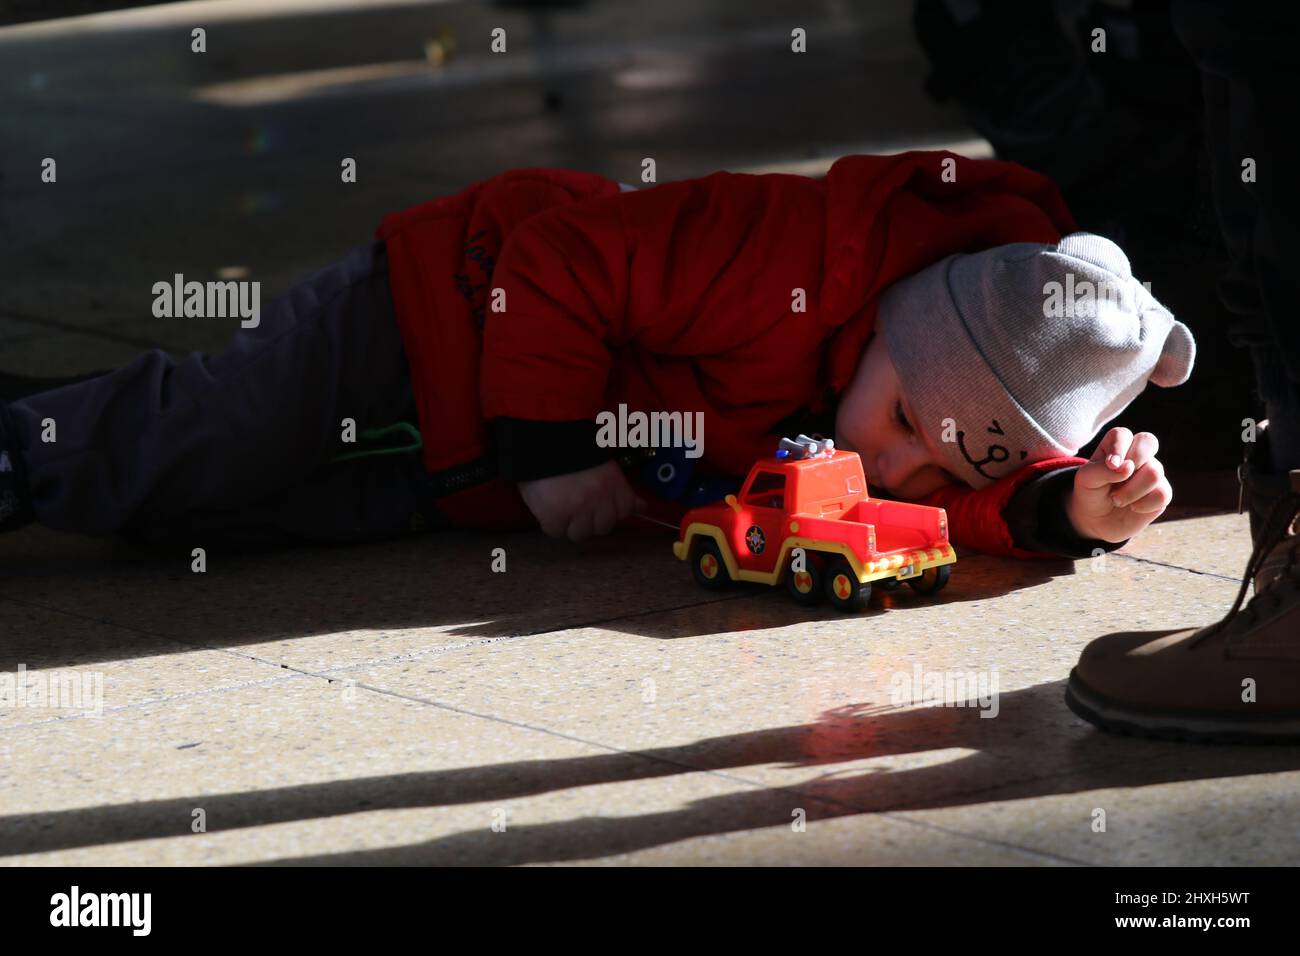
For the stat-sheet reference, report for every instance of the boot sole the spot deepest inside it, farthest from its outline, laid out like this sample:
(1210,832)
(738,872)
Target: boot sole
(1194,726)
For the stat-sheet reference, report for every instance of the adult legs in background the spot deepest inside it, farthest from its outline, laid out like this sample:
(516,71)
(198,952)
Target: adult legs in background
(1237,679)
(1250,87)
(1120,131)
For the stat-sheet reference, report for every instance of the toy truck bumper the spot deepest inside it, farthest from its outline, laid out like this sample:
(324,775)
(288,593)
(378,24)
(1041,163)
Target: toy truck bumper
(899,565)
(907,564)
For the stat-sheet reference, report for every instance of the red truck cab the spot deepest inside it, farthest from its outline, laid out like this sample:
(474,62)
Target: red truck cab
(807,520)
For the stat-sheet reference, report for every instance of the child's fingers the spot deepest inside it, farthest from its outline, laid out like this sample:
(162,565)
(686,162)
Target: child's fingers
(607,515)
(1109,463)
(1118,457)
(1144,480)
(1144,470)
(626,499)
(1154,501)
(580,525)
(553,523)
(629,502)
(630,505)
(578,505)
(1113,449)
(1143,449)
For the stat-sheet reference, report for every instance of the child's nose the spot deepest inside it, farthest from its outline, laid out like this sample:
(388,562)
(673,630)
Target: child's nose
(889,473)
(896,465)
(871,465)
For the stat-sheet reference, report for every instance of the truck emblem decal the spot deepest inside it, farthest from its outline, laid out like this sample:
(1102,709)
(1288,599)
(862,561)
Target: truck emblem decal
(755,540)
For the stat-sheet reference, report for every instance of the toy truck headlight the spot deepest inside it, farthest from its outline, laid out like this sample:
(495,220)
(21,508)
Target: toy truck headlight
(943,525)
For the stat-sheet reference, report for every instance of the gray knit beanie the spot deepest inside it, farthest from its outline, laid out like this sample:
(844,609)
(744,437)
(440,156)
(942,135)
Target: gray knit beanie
(1024,351)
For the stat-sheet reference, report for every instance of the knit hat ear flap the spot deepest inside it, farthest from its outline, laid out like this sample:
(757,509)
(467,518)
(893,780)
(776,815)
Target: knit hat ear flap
(1100,251)
(1174,366)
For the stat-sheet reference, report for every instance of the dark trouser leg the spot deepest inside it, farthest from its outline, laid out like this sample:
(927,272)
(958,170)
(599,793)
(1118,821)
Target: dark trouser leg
(346,502)
(1246,54)
(14,386)
(159,441)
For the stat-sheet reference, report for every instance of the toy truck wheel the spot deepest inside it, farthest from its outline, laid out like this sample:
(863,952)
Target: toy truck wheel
(931,580)
(842,587)
(707,565)
(805,586)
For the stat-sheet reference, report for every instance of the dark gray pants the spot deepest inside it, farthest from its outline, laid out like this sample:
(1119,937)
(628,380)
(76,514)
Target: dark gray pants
(239,444)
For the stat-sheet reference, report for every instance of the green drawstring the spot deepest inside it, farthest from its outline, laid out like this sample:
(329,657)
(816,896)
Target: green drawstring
(372,434)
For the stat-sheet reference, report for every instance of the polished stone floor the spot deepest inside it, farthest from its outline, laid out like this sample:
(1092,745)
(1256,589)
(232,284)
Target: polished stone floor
(404,703)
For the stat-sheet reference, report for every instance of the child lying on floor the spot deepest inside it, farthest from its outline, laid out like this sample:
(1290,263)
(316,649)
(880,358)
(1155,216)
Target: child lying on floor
(923,309)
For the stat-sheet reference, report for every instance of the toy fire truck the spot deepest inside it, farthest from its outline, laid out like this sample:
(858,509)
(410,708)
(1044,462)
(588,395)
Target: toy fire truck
(804,518)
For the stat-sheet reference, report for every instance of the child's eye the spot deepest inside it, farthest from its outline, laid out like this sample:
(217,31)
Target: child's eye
(900,417)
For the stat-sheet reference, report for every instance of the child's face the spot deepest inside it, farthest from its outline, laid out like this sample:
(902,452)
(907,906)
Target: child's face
(875,420)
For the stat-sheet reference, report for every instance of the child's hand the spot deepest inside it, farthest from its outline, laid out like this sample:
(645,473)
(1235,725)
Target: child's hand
(1121,489)
(581,503)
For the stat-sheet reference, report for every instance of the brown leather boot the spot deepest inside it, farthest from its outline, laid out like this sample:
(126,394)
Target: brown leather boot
(1237,680)
(1260,490)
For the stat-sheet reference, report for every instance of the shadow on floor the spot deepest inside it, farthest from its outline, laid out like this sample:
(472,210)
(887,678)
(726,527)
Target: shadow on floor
(153,604)
(1034,748)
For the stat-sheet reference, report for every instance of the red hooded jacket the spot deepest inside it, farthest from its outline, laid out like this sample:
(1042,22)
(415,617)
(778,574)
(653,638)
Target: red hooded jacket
(549,296)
